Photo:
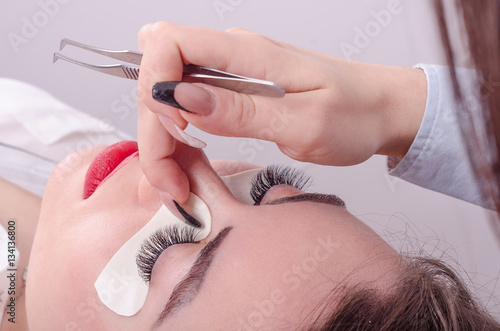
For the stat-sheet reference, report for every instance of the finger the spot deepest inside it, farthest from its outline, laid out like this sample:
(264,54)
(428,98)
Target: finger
(155,143)
(242,115)
(161,61)
(155,148)
(168,46)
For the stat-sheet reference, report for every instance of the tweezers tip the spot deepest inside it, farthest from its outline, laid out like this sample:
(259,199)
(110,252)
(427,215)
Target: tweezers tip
(64,42)
(55,57)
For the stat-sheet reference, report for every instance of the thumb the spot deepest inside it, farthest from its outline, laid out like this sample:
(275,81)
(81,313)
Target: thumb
(216,110)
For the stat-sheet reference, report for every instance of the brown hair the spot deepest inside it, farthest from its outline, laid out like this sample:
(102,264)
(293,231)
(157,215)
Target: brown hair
(428,296)
(480,22)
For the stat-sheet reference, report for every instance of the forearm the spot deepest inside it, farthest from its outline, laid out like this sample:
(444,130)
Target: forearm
(375,109)
(404,95)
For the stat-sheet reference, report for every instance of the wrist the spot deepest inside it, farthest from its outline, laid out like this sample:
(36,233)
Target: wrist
(404,91)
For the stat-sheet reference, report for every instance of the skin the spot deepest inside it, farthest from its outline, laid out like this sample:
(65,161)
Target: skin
(272,257)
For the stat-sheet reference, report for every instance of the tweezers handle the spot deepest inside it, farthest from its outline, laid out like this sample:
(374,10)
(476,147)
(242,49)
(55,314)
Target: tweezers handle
(191,73)
(241,85)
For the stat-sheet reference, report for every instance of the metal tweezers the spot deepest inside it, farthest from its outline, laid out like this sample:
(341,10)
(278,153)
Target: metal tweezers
(192,73)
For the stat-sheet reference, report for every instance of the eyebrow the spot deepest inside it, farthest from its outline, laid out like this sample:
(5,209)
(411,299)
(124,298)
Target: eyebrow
(187,289)
(330,199)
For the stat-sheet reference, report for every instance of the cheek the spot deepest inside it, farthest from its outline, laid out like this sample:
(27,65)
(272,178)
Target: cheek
(60,289)
(147,196)
(66,259)
(66,182)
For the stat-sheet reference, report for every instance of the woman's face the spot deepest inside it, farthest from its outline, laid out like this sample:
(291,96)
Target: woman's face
(273,264)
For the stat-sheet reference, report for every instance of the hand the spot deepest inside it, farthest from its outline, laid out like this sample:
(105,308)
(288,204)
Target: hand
(335,112)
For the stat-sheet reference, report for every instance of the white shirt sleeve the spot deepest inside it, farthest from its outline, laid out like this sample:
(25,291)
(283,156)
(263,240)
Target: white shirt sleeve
(438,158)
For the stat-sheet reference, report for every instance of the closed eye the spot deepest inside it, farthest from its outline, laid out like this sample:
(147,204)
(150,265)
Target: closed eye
(159,241)
(277,175)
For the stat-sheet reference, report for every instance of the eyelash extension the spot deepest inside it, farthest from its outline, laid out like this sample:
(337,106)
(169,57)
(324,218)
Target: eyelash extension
(157,242)
(277,175)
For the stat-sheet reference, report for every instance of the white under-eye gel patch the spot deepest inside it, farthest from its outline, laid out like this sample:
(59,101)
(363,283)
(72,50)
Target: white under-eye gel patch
(119,285)
(240,184)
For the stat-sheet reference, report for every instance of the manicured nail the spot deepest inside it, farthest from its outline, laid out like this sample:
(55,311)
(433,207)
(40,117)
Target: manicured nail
(179,134)
(190,140)
(188,217)
(164,93)
(176,209)
(193,98)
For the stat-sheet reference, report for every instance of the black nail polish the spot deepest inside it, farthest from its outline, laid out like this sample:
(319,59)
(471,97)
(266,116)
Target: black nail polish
(164,92)
(188,217)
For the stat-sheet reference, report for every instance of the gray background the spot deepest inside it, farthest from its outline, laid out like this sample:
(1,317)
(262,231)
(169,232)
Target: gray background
(410,217)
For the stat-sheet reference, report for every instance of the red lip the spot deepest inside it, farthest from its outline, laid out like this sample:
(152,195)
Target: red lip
(106,163)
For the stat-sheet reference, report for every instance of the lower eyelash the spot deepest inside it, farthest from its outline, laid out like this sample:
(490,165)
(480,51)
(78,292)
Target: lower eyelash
(277,175)
(156,243)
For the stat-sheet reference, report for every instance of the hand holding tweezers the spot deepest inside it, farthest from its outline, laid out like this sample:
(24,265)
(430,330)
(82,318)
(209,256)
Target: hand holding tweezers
(192,73)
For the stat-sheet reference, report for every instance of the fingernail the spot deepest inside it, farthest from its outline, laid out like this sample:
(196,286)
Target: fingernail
(179,194)
(175,208)
(184,96)
(190,219)
(190,140)
(164,93)
(179,134)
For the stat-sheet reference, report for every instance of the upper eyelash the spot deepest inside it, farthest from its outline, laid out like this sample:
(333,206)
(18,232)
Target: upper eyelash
(277,175)
(157,242)
(161,239)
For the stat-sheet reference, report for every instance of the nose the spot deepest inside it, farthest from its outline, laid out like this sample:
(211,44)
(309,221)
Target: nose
(203,179)
(226,196)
